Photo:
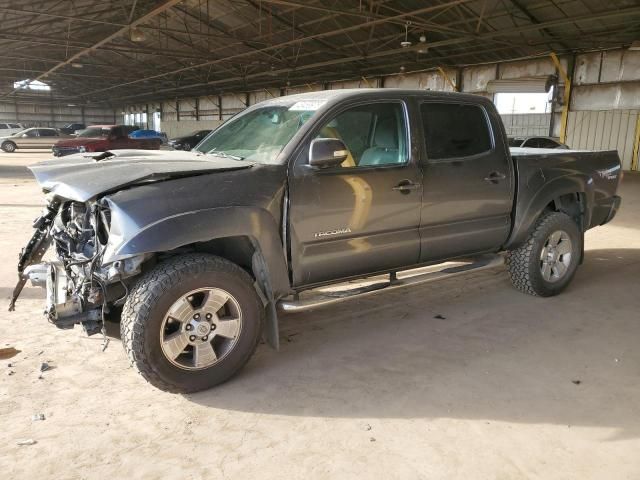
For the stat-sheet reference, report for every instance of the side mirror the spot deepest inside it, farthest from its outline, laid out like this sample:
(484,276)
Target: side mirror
(327,152)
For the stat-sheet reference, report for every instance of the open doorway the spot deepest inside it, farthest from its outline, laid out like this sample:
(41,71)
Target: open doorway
(525,114)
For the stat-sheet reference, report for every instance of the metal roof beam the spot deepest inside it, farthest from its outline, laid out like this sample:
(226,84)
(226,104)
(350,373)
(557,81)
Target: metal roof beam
(161,7)
(452,41)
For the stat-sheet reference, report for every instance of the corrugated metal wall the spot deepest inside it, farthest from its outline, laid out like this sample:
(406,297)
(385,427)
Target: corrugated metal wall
(54,115)
(604,130)
(527,125)
(604,105)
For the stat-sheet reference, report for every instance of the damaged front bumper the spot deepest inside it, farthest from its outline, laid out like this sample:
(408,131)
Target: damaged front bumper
(63,308)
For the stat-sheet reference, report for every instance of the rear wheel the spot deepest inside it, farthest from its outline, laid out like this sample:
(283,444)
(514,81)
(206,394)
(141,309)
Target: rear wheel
(8,147)
(546,263)
(191,323)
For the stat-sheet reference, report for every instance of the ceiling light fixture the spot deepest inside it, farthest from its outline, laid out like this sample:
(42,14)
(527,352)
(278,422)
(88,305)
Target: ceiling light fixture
(137,35)
(423,48)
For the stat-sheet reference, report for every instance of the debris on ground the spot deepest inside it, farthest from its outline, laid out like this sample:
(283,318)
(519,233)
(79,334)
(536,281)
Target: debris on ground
(367,427)
(576,382)
(440,317)
(29,441)
(8,353)
(38,417)
(44,367)
(10,372)
(372,439)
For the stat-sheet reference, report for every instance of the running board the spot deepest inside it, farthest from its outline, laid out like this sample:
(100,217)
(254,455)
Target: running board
(337,293)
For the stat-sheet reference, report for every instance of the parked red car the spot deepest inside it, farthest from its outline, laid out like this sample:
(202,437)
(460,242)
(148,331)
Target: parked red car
(100,138)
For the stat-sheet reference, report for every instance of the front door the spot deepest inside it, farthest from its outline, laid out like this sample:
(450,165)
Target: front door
(29,139)
(363,216)
(468,181)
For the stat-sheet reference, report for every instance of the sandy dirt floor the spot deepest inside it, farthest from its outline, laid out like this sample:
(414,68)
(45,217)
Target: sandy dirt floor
(464,379)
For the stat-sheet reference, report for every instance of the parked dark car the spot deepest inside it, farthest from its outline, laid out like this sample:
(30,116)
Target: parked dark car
(187,142)
(71,128)
(194,252)
(536,142)
(100,138)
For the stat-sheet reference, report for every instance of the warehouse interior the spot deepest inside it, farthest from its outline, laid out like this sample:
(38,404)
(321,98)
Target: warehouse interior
(179,66)
(487,384)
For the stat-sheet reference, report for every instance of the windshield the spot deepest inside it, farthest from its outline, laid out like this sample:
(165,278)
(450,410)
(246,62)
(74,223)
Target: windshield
(94,132)
(258,135)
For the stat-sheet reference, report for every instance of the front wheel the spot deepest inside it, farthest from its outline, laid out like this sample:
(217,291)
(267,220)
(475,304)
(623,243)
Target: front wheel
(8,147)
(546,263)
(191,323)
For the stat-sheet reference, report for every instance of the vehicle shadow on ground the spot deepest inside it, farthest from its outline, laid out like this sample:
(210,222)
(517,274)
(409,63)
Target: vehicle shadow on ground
(470,347)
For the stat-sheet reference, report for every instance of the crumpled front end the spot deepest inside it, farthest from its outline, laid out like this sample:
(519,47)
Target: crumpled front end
(80,288)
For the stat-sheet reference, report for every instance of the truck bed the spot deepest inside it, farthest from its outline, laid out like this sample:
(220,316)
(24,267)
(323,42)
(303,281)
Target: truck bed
(595,174)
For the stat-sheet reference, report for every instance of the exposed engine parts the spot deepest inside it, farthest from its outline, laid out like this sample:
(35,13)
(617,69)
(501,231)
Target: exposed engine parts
(79,289)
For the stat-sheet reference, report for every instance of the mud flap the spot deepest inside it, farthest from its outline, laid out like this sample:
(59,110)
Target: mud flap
(271,332)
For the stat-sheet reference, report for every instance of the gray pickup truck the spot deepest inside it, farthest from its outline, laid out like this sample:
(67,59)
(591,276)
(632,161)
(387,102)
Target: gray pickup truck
(296,203)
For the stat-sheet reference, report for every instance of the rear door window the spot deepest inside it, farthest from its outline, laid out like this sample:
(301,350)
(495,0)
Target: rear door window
(47,132)
(3,126)
(455,130)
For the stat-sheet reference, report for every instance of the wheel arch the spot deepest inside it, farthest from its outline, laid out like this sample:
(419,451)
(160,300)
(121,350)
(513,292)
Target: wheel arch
(572,195)
(246,236)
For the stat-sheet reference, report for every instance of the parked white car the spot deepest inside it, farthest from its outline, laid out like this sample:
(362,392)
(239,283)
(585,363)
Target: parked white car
(7,129)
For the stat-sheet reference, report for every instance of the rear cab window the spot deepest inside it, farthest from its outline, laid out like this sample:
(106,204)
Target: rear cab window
(455,130)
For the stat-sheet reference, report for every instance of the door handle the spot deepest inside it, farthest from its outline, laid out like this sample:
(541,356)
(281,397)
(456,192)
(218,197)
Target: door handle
(405,186)
(495,177)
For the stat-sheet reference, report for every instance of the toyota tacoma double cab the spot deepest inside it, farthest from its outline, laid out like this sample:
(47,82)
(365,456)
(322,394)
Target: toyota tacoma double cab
(296,203)
(100,138)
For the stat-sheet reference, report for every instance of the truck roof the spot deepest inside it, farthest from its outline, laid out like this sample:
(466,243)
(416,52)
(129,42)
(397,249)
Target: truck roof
(329,95)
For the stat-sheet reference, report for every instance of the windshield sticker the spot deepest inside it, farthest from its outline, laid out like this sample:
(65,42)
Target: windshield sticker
(307,105)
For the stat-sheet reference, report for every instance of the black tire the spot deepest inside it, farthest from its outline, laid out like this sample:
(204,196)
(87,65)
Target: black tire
(8,147)
(525,264)
(153,295)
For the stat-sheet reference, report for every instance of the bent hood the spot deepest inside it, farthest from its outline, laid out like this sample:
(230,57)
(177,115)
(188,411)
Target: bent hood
(81,177)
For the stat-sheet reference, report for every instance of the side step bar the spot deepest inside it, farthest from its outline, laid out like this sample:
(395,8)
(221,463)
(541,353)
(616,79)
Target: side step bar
(337,293)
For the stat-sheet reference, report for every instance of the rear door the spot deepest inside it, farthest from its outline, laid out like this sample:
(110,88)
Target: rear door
(363,216)
(468,180)
(119,139)
(46,137)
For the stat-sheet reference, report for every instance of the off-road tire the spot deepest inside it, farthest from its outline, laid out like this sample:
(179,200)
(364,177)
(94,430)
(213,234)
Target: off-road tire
(524,262)
(8,147)
(149,301)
